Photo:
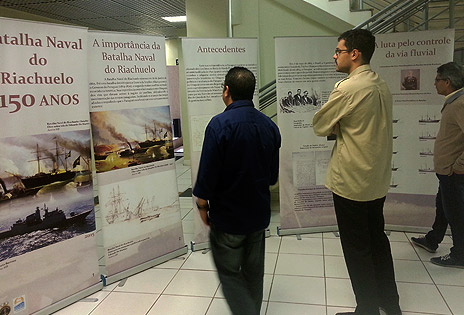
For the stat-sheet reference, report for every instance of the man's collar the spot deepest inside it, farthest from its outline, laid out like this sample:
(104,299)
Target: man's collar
(361,68)
(240,103)
(454,95)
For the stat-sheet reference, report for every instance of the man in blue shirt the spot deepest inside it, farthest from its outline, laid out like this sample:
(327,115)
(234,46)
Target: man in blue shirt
(239,161)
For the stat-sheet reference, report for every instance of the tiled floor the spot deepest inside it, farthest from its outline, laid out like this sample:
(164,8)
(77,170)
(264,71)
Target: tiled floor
(306,276)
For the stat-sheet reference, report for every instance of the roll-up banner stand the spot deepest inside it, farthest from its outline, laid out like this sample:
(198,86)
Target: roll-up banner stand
(205,64)
(134,154)
(48,256)
(305,77)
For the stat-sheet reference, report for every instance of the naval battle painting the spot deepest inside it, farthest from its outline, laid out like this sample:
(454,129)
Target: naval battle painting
(46,191)
(131,137)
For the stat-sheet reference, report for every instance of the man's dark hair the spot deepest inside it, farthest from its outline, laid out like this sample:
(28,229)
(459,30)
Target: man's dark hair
(241,83)
(362,40)
(453,72)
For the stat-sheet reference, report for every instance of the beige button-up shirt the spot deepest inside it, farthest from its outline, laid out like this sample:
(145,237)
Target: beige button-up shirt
(448,153)
(359,110)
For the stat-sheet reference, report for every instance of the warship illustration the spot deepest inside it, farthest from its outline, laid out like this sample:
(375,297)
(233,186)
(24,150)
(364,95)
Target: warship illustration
(427,152)
(426,169)
(427,119)
(392,184)
(49,220)
(41,178)
(427,136)
(120,209)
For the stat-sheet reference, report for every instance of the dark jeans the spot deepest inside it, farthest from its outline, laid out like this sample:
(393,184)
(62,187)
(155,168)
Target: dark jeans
(239,261)
(367,254)
(452,196)
(436,235)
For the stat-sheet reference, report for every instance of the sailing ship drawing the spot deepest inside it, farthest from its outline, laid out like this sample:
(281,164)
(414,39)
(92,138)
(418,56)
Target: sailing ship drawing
(427,119)
(119,208)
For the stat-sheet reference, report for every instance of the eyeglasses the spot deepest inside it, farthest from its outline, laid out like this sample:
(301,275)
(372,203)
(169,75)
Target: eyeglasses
(339,51)
(439,79)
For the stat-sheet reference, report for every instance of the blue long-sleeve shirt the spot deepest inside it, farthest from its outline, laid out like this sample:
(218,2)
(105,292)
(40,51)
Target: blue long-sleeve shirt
(239,161)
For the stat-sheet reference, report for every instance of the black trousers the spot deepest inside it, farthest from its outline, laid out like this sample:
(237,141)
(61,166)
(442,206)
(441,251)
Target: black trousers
(440,225)
(367,254)
(239,261)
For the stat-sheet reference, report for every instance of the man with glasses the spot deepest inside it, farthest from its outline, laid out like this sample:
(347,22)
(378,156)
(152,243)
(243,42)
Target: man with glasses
(239,161)
(359,113)
(449,166)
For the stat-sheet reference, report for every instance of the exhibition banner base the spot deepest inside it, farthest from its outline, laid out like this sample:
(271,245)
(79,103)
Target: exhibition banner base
(70,300)
(308,230)
(200,246)
(144,266)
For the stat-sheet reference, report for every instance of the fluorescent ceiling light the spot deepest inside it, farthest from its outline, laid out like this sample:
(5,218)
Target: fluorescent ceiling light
(175,18)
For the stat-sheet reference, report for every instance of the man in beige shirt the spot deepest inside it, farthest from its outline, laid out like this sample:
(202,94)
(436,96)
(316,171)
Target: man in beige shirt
(359,112)
(449,165)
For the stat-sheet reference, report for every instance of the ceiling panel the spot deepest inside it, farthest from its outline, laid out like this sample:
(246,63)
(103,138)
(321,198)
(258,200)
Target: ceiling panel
(136,16)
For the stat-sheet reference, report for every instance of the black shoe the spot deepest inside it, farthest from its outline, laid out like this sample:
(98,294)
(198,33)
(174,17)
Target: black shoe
(424,243)
(447,261)
(345,313)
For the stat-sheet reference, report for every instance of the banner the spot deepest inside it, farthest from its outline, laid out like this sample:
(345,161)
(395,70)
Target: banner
(306,76)
(47,220)
(133,151)
(409,62)
(206,62)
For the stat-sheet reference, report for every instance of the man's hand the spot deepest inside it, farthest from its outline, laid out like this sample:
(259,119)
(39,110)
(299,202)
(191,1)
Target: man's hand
(204,217)
(203,208)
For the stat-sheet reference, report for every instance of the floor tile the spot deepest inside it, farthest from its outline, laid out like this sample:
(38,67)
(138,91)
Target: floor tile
(411,271)
(340,293)
(199,261)
(330,235)
(270,260)
(174,263)
(332,247)
(219,307)
(275,216)
(291,245)
(193,282)
(300,265)
(84,306)
(266,288)
(148,281)
(335,310)
(445,275)
(180,305)
(397,237)
(188,227)
(312,235)
(403,250)
(297,289)
(454,297)
(423,298)
(335,267)
(278,308)
(123,303)
(272,244)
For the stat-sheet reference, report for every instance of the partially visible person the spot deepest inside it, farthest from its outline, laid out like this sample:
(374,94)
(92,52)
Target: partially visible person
(448,160)
(359,112)
(239,161)
(306,99)
(435,236)
(298,98)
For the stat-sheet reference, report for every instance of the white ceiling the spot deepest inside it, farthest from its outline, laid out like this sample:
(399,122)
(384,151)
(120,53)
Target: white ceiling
(134,16)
